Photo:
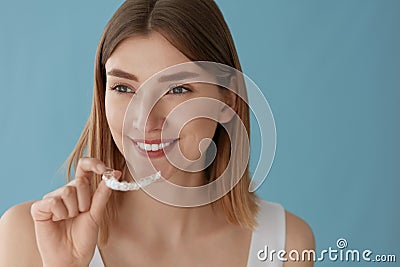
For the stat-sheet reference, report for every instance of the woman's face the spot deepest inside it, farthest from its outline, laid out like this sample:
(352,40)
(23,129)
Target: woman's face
(132,62)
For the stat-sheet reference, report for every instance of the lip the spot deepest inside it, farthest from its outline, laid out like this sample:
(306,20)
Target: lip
(154,154)
(154,141)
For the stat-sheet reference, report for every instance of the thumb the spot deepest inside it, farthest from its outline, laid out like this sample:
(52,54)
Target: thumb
(100,199)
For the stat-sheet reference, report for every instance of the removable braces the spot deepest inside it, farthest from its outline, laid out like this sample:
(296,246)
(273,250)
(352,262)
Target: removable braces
(113,183)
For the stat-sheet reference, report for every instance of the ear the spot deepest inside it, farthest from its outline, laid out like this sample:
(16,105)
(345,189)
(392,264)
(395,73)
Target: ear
(228,109)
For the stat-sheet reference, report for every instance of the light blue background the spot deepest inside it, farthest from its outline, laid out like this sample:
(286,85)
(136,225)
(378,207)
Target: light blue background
(329,69)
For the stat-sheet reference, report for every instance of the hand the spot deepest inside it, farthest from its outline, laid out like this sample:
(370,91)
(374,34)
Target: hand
(67,219)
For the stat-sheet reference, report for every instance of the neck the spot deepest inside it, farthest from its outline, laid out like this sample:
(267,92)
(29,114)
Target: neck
(141,214)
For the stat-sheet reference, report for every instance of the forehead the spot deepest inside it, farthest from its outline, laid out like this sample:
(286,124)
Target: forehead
(145,55)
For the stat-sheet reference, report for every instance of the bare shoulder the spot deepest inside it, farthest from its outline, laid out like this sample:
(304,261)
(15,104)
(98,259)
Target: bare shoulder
(17,237)
(299,237)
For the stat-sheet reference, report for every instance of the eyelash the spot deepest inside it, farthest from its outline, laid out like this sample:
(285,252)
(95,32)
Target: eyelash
(129,90)
(116,86)
(178,86)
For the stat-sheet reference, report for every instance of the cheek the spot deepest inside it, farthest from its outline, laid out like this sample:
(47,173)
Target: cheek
(115,116)
(193,133)
(205,128)
(200,128)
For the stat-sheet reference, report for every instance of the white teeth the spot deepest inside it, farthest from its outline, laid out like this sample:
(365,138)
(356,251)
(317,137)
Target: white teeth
(152,147)
(147,147)
(141,145)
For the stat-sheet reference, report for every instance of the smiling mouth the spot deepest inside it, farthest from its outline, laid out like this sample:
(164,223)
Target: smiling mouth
(153,147)
(150,146)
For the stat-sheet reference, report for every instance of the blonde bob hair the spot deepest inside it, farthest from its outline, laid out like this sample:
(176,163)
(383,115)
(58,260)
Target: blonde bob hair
(197,28)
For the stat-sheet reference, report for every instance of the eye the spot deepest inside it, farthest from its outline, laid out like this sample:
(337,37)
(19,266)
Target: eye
(178,90)
(119,88)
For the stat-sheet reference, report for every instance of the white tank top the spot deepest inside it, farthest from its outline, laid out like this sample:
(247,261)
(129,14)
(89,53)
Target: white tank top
(269,235)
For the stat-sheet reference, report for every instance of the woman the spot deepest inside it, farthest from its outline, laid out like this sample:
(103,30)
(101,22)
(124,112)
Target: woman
(86,223)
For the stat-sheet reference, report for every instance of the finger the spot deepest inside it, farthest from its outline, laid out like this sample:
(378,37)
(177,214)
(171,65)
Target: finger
(59,191)
(49,209)
(117,174)
(100,199)
(41,210)
(54,193)
(86,166)
(70,200)
(60,212)
(83,194)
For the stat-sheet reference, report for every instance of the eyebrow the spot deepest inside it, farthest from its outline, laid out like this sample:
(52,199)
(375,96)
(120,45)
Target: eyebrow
(172,77)
(122,74)
(178,76)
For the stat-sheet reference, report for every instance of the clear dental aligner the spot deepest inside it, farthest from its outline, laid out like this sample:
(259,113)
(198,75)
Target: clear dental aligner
(113,183)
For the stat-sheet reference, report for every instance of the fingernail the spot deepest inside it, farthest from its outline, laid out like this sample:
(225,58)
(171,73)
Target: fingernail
(101,168)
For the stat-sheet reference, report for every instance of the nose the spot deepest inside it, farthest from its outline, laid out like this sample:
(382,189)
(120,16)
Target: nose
(146,120)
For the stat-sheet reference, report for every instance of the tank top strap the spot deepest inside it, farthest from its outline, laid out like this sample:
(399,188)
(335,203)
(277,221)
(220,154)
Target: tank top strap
(269,235)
